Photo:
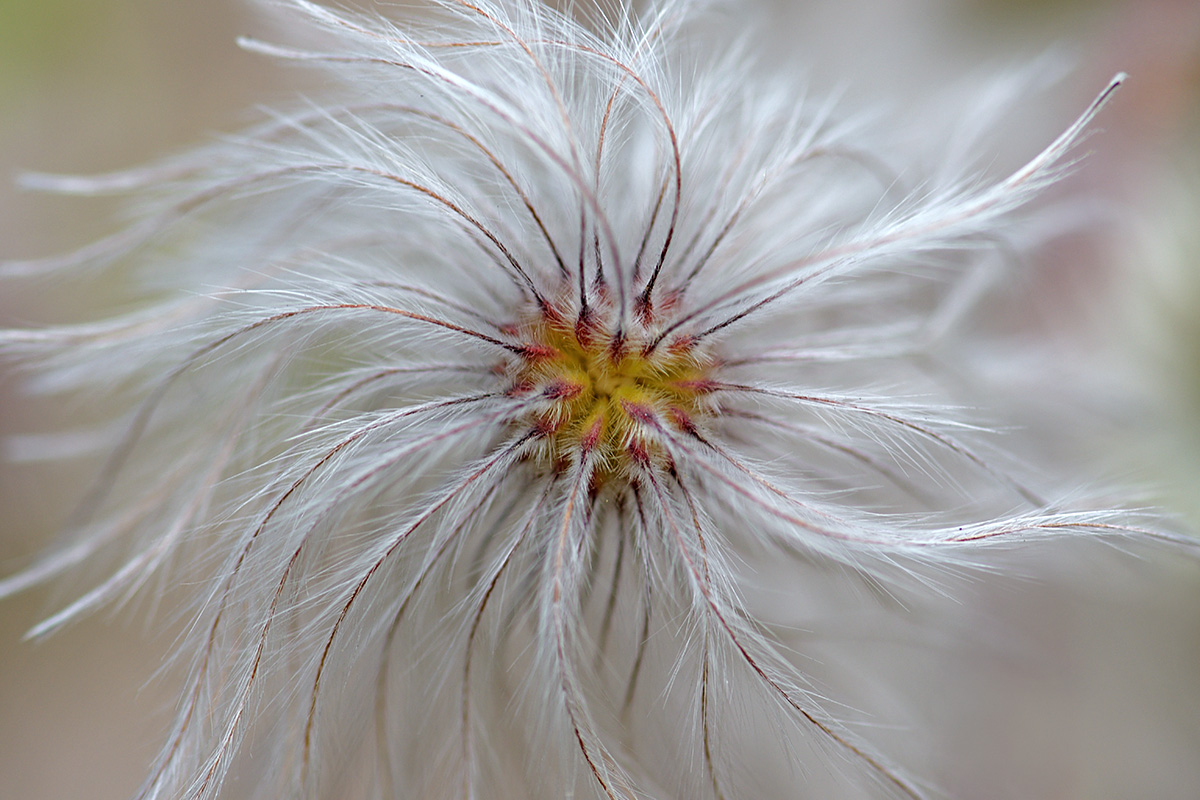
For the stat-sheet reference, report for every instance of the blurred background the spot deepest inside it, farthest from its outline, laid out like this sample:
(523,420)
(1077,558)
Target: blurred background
(86,86)
(1111,709)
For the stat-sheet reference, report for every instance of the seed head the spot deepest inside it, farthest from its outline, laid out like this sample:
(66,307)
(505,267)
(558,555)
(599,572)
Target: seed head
(486,402)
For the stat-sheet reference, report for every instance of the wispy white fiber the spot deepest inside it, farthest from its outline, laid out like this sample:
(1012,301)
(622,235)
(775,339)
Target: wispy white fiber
(475,410)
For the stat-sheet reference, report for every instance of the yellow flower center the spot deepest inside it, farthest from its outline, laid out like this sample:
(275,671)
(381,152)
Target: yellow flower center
(609,400)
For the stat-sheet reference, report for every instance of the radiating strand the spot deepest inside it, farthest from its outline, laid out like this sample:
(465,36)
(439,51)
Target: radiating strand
(887,342)
(547,78)
(890,418)
(474,140)
(172,749)
(754,192)
(602,137)
(476,94)
(497,573)
(569,692)
(458,82)
(628,71)
(384,767)
(917,227)
(677,160)
(830,443)
(123,241)
(1012,528)
(706,654)
(463,308)
(731,298)
(149,558)
(146,410)
(842,533)
(644,638)
(618,567)
(385,373)
(504,455)
(441,199)
(584,308)
(871,760)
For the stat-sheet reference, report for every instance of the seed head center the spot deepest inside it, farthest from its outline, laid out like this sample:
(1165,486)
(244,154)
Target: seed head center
(609,398)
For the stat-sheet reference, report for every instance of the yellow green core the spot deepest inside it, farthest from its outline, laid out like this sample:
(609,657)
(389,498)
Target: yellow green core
(610,402)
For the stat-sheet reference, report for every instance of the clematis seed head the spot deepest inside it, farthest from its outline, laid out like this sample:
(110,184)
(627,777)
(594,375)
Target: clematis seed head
(486,400)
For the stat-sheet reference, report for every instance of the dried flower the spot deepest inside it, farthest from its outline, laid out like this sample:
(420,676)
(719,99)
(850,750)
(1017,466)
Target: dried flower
(485,417)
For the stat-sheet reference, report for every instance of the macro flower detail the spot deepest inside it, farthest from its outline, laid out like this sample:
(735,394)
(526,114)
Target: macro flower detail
(490,423)
(611,393)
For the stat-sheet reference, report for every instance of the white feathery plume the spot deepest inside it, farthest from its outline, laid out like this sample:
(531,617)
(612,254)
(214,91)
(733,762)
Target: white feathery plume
(474,414)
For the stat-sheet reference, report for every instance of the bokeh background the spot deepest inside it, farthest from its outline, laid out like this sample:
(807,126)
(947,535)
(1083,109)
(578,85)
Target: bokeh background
(1110,705)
